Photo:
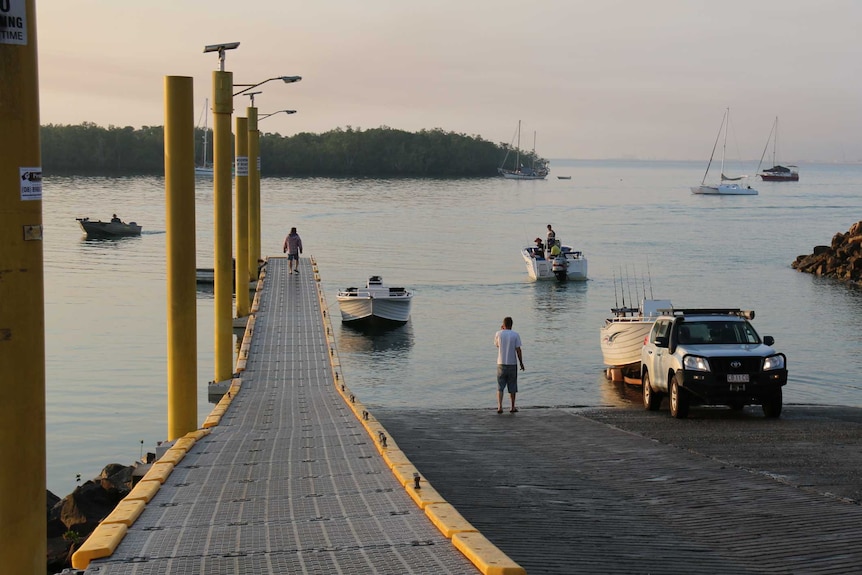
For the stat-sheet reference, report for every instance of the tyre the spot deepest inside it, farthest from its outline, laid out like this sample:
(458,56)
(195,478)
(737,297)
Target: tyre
(678,398)
(652,398)
(772,404)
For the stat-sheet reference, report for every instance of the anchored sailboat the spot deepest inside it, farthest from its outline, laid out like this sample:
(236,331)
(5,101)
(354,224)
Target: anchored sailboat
(205,168)
(777,173)
(538,170)
(723,187)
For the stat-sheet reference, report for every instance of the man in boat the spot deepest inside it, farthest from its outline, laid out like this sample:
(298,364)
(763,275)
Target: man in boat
(540,248)
(116,220)
(552,237)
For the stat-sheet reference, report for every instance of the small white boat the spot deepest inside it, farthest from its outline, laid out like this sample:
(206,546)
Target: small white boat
(113,229)
(568,265)
(622,336)
(375,303)
(723,188)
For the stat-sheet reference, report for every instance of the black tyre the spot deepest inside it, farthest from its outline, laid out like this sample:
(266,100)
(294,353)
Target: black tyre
(678,398)
(652,398)
(772,405)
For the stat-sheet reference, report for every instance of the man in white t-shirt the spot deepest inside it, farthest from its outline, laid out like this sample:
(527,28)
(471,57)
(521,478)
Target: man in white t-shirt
(508,344)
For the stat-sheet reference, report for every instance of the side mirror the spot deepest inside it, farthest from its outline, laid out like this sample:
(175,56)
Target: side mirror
(768,340)
(661,342)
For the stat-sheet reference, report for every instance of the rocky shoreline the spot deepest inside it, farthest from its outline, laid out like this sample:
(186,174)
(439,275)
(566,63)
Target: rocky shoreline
(842,260)
(72,518)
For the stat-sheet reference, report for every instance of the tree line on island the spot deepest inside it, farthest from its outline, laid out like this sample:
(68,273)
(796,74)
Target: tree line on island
(350,152)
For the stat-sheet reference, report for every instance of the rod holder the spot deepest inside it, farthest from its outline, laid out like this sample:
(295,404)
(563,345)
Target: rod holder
(416,479)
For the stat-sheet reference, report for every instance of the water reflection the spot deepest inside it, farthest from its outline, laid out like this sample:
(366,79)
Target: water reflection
(553,298)
(618,394)
(375,339)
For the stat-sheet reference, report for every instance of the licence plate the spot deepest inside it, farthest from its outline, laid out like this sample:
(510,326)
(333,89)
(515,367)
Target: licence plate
(737,378)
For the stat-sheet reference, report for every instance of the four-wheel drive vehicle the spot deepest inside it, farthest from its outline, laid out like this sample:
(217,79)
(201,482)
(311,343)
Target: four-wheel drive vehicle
(711,357)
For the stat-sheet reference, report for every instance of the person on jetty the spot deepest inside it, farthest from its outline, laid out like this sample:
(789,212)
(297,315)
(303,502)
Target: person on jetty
(508,344)
(292,247)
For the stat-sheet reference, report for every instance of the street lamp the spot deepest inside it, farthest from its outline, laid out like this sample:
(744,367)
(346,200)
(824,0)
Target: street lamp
(261,117)
(285,79)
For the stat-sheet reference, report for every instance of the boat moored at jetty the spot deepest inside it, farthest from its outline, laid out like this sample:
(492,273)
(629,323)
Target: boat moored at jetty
(375,304)
(115,228)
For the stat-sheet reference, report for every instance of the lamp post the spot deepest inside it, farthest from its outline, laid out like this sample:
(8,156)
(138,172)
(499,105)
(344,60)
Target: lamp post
(223,284)
(274,113)
(254,227)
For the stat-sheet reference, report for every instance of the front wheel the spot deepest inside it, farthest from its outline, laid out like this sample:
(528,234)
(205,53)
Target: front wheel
(678,398)
(652,398)
(772,405)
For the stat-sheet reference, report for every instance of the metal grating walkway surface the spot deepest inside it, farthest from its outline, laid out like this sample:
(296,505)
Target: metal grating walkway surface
(289,481)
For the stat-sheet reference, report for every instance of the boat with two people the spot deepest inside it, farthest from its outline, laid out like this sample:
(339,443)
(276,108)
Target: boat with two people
(777,173)
(537,170)
(375,305)
(115,228)
(559,262)
(728,186)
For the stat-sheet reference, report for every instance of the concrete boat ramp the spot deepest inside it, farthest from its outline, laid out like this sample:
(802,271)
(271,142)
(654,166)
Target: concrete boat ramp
(291,473)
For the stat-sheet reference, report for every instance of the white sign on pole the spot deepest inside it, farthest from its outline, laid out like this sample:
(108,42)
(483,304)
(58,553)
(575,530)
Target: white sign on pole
(13,22)
(31,181)
(242,165)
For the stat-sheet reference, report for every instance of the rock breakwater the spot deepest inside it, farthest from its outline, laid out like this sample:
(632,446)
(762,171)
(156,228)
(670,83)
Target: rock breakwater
(841,260)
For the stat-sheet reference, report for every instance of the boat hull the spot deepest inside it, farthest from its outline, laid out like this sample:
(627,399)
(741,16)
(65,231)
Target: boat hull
(369,310)
(724,190)
(780,177)
(509,175)
(622,340)
(543,268)
(99,229)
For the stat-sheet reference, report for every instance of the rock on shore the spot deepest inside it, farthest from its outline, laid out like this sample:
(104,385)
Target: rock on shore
(73,518)
(842,260)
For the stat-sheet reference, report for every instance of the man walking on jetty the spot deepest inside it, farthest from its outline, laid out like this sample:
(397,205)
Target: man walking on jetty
(508,344)
(292,247)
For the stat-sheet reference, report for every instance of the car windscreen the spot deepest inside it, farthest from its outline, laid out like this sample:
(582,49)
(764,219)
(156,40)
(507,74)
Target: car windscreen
(717,332)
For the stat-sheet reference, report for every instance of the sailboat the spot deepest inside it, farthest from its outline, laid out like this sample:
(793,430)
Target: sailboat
(726,185)
(205,168)
(777,173)
(537,171)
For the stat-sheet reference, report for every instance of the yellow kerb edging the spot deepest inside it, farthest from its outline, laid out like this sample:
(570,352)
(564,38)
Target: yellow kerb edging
(486,556)
(101,543)
(447,519)
(158,472)
(144,491)
(126,511)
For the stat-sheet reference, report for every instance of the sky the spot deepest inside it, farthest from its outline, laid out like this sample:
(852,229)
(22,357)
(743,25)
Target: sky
(587,79)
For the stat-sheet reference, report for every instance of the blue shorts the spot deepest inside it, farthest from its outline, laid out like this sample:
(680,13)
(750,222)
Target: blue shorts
(507,378)
(292,257)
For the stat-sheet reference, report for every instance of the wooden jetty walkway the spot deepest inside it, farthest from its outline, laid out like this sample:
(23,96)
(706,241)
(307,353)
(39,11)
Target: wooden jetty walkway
(289,474)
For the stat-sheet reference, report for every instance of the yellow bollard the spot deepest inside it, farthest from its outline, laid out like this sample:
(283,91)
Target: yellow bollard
(181,254)
(241,202)
(23,540)
(253,193)
(223,282)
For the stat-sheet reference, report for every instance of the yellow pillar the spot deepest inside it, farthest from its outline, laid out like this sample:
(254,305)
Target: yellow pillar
(241,174)
(223,286)
(180,224)
(253,193)
(23,539)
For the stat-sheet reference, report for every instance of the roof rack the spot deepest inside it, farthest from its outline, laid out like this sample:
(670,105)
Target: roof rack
(682,312)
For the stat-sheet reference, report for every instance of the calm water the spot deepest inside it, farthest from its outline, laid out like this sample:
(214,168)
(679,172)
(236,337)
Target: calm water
(456,243)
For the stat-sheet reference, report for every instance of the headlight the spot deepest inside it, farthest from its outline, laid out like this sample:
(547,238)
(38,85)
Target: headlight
(695,363)
(773,362)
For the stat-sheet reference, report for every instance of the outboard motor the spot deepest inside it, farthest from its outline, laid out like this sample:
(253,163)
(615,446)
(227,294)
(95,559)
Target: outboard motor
(560,268)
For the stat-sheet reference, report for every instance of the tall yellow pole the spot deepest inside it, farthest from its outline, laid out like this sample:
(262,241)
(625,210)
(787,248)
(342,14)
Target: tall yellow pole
(180,224)
(241,201)
(223,321)
(23,539)
(253,193)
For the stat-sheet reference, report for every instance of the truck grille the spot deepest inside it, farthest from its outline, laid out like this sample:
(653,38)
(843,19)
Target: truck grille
(746,364)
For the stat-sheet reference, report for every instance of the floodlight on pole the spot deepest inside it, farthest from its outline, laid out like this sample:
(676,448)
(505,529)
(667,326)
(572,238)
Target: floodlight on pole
(285,79)
(252,95)
(220,48)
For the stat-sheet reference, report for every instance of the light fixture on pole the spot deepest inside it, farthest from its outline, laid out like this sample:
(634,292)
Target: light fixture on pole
(262,116)
(285,79)
(220,48)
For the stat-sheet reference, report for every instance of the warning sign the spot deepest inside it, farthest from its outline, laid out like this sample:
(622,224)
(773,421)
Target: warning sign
(31,180)
(241,164)
(13,22)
